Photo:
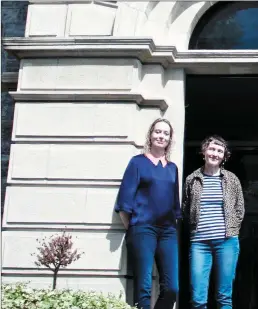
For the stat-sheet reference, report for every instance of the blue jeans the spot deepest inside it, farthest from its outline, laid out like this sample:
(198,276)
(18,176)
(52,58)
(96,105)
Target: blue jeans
(146,244)
(222,254)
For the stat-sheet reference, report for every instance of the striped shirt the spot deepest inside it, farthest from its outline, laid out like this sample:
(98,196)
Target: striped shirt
(211,223)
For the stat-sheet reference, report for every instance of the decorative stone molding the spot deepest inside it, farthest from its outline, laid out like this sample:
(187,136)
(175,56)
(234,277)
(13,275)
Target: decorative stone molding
(115,46)
(166,22)
(142,48)
(88,96)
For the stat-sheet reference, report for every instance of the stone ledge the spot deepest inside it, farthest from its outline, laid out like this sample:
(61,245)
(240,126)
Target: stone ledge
(86,96)
(117,47)
(103,46)
(96,140)
(68,182)
(69,226)
(63,272)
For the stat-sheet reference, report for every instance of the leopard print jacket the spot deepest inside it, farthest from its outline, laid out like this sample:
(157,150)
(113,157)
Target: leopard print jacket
(232,197)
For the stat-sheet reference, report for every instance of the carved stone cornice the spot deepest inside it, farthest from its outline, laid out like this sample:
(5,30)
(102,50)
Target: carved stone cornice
(142,48)
(88,96)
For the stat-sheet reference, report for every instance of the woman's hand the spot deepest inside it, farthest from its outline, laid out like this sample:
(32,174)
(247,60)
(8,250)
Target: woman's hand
(125,217)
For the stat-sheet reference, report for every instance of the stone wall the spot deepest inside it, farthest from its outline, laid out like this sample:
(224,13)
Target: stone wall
(77,122)
(13,20)
(69,156)
(87,92)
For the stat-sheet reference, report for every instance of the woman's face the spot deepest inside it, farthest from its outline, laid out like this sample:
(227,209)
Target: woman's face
(214,154)
(160,135)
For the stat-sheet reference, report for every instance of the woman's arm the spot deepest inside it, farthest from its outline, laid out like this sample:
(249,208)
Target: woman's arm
(240,204)
(127,191)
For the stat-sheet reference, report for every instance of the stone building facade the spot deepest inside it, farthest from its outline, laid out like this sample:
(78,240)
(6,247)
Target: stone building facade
(13,20)
(92,76)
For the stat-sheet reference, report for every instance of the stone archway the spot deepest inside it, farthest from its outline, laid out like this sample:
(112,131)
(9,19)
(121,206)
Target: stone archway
(168,23)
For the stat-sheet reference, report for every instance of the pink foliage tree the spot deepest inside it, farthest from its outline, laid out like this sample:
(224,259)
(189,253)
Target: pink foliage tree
(56,252)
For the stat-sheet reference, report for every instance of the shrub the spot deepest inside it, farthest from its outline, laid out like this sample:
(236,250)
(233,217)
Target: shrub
(20,296)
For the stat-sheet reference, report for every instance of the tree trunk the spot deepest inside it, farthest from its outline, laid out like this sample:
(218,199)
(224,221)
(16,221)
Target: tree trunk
(54,279)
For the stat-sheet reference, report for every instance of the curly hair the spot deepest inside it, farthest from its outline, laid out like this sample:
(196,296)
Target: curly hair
(218,140)
(147,145)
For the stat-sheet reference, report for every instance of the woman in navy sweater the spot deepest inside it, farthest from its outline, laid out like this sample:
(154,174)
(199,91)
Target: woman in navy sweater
(148,203)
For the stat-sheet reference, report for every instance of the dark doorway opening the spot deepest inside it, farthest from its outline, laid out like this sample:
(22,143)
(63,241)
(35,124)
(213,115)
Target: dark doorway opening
(227,106)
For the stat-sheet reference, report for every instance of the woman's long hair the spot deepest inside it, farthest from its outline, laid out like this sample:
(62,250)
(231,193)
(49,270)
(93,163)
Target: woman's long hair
(147,145)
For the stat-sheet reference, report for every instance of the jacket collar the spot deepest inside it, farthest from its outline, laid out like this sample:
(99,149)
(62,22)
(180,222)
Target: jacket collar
(199,173)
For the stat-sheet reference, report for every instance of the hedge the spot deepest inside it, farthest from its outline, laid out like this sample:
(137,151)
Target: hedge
(21,296)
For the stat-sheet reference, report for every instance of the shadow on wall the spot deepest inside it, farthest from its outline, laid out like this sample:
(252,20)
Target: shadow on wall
(118,244)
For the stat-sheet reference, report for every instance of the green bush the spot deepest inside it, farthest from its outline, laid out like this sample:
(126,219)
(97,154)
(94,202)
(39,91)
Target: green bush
(20,296)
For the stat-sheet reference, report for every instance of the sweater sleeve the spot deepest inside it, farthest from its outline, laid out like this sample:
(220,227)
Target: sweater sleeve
(128,188)
(177,200)
(240,205)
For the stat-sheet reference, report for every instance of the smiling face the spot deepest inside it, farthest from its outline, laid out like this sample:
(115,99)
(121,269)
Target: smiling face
(160,136)
(214,154)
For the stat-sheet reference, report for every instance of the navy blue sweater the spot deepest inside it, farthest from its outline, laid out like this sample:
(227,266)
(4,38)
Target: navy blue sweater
(149,193)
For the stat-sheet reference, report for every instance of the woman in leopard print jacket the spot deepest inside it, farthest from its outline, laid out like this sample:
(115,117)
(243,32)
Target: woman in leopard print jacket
(213,207)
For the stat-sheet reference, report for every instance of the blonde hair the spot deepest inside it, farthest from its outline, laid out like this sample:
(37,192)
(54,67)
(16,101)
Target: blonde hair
(147,145)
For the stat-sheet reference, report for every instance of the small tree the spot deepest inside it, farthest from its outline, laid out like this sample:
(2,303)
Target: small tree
(56,252)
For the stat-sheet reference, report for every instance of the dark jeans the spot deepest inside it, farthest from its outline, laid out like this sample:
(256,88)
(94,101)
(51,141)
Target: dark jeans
(144,244)
(223,255)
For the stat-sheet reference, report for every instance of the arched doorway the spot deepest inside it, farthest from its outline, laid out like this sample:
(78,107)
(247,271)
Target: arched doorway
(227,105)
